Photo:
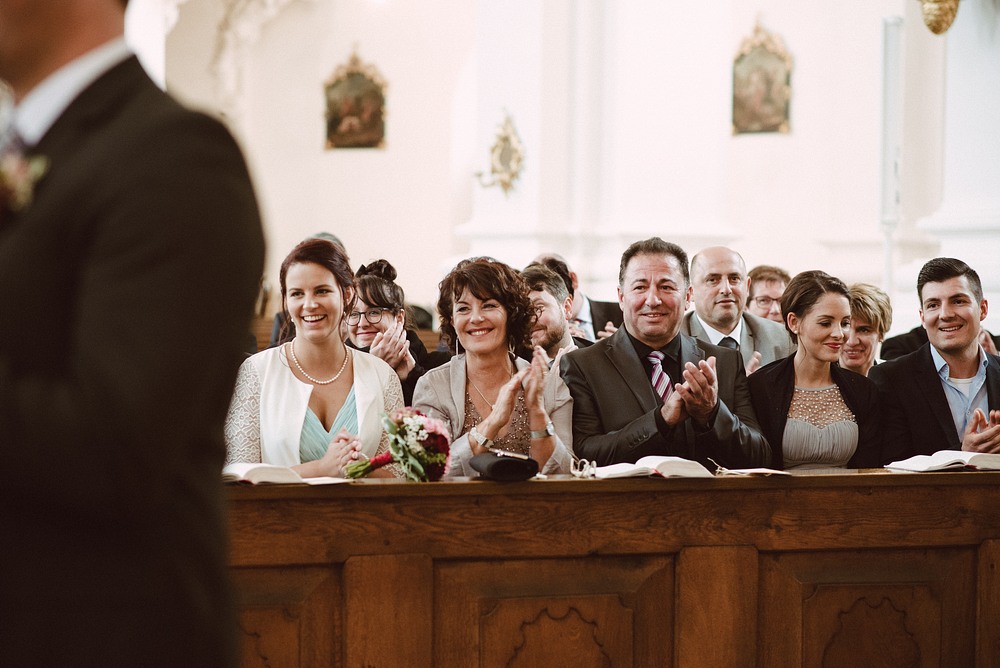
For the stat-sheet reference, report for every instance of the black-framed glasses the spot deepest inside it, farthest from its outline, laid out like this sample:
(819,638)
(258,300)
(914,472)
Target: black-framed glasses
(764,302)
(371,315)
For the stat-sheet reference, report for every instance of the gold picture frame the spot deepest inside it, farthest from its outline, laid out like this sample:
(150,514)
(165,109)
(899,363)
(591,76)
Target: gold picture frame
(762,84)
(355,106)
(506,158)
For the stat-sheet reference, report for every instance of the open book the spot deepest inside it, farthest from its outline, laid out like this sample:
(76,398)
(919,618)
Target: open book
(948,459)
(655,465)
(257,474)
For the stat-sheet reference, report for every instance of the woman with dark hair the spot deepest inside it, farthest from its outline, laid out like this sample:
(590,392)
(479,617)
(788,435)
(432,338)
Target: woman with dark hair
(378,324)
(814,413)
(489,397)
(313,403)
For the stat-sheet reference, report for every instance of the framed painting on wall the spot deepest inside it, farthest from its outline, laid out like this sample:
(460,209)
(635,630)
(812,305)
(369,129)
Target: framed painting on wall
(355,106)
(762,84)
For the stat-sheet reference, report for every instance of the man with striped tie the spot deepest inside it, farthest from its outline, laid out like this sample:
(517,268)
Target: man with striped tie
(650,390)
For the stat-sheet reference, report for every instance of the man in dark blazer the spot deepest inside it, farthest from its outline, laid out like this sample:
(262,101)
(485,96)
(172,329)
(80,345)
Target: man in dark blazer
(142,229)
(719,289)
(618,416)
(946,394)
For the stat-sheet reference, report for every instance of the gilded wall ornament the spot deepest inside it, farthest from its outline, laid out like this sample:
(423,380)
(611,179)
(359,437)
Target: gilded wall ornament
(506,158)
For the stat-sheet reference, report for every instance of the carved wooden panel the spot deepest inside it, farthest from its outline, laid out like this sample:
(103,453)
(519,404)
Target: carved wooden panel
(717,606)
(988,631)
(288,616)
(554,612)
(869,608)
(388,601)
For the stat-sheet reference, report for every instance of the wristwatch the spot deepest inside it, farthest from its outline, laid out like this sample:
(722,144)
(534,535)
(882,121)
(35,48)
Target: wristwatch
(480,439)
(542,433)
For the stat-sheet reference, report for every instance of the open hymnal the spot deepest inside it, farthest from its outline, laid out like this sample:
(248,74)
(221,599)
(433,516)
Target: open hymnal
(943,460)
(257,474)
(655,465)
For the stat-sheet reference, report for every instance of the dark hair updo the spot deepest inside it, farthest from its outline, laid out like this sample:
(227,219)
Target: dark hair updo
(377,287)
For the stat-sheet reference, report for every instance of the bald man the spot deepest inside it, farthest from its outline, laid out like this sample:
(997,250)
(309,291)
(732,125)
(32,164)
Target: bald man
(719,293)
(141,227)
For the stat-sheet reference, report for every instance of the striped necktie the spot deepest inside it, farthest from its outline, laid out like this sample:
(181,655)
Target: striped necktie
(661,381)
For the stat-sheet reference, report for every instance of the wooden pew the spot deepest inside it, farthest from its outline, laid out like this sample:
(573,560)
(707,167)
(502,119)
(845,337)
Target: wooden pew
(860,569)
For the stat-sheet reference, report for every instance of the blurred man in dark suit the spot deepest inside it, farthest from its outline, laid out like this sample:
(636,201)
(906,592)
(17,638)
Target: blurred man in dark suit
(139,226)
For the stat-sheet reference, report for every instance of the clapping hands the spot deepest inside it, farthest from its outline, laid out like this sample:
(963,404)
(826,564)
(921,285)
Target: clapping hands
(696,397)
(393,348)
(982,434)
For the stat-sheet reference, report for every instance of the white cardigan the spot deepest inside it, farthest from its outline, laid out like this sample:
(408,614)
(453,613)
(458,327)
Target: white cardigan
(269,407)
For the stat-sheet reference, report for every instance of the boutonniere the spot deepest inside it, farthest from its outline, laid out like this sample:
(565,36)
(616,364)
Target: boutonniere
(18,176)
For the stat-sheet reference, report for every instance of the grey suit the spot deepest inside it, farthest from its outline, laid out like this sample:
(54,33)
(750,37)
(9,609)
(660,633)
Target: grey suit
(614,408)
(768,338)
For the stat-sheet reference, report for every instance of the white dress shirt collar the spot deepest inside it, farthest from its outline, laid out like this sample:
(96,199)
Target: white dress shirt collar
(48,100)
(714,335)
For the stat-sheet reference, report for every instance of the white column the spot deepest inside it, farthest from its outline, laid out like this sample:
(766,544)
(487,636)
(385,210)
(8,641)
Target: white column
(968,220)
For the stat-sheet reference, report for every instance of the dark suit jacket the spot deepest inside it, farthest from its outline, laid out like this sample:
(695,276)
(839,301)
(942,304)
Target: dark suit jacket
(604,312)
(143,230)
(771,389)
(614,408)
(916,418)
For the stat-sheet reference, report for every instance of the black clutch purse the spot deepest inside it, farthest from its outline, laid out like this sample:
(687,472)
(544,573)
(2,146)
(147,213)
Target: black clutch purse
(504,466)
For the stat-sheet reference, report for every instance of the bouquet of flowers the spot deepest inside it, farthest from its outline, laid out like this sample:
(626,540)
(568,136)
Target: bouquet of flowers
(417,443)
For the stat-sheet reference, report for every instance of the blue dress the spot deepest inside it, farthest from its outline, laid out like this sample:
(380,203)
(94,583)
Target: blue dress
(315,439)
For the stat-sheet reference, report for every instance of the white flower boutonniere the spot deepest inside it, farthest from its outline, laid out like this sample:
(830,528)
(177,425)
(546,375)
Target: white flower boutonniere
(18,176)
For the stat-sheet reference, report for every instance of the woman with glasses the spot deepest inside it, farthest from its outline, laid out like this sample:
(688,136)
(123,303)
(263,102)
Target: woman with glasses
(488,397)
(313,403)
(377,324)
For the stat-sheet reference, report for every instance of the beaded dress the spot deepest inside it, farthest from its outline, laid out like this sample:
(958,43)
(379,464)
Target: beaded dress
(821,430)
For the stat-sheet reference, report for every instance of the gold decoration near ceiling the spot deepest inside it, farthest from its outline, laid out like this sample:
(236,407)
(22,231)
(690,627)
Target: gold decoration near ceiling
(506,158)
(939,14)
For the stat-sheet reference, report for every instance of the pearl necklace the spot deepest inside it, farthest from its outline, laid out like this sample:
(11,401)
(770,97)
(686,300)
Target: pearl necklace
(298,366)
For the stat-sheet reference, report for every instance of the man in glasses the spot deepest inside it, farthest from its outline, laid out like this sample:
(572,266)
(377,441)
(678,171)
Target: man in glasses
(766,284)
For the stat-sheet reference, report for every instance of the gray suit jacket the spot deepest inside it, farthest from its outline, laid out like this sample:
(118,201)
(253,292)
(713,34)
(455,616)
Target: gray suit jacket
(614,408)
(768,338)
